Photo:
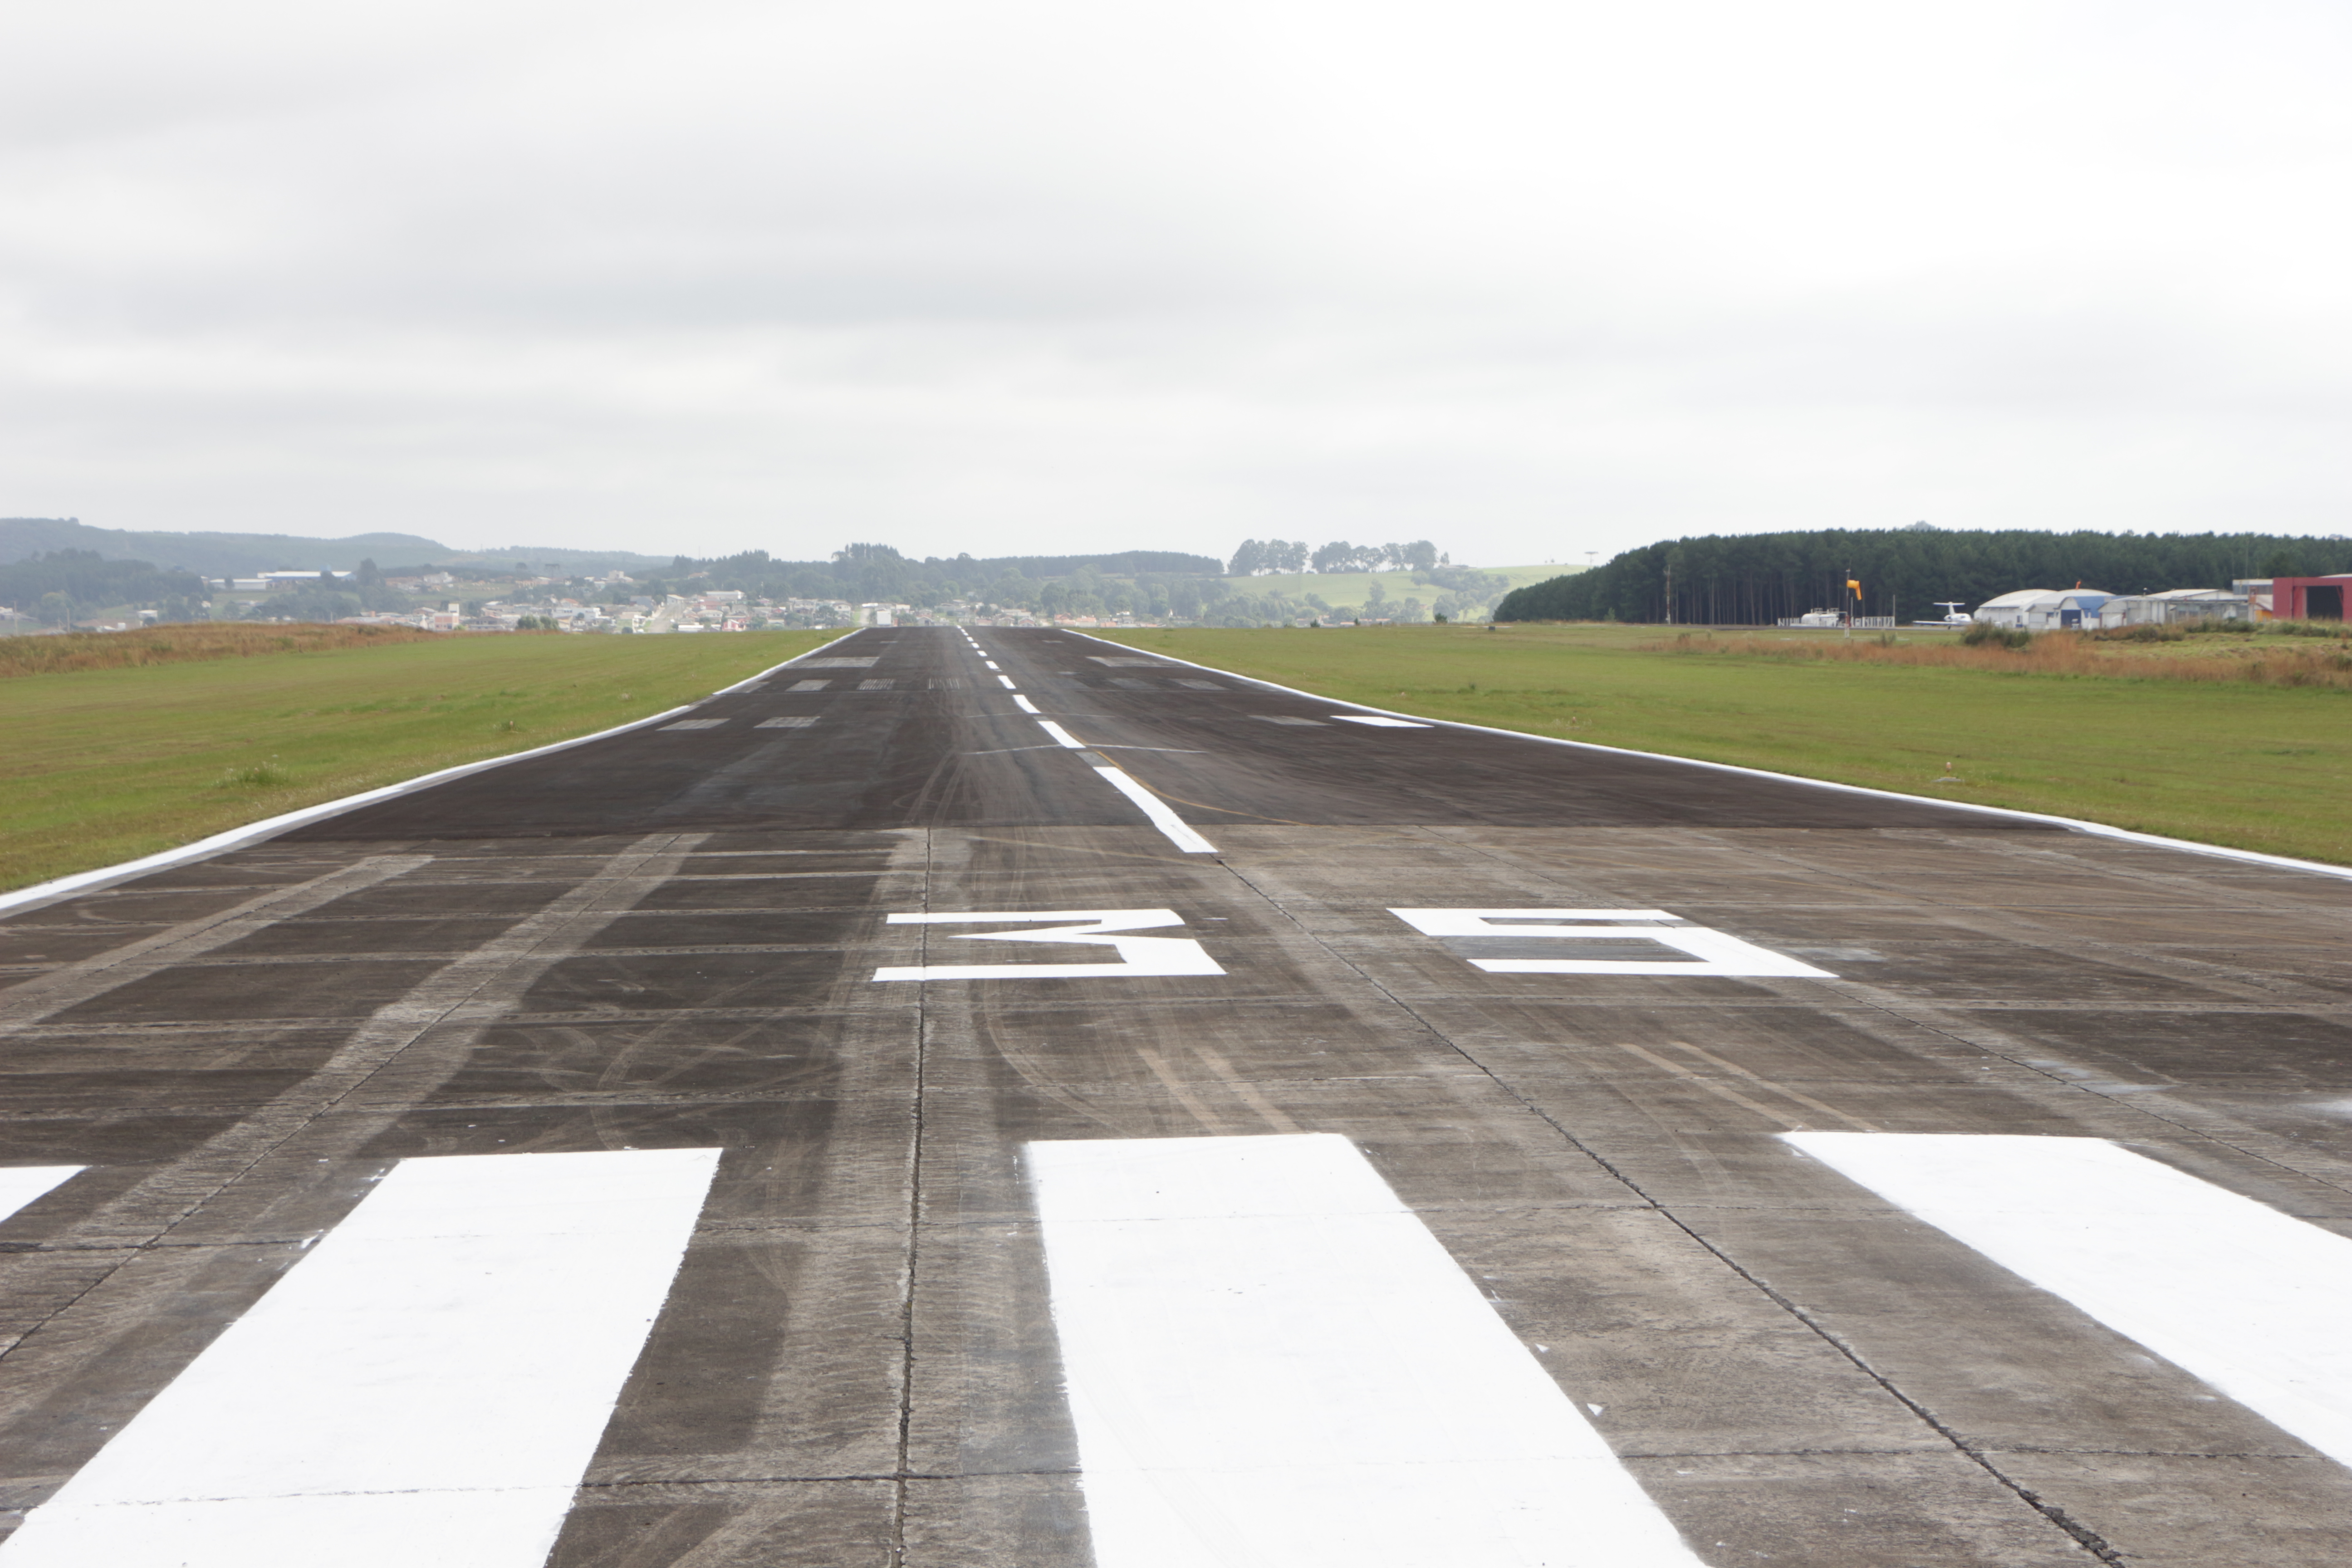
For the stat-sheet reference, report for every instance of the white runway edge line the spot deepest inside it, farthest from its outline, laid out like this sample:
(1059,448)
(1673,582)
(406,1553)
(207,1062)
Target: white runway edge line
(270,827)
(427,1385)
(20,1184)
(2252,1301)
(1272,1364)
(2100,829)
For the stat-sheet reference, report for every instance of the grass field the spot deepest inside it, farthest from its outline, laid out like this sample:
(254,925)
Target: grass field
(2112,737)
(107,765)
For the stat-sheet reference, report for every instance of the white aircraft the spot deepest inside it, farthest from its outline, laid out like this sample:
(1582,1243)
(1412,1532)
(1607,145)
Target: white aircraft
(1952,616)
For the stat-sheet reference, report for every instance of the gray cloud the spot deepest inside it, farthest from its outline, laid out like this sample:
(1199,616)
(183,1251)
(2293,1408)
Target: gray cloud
(1528,279)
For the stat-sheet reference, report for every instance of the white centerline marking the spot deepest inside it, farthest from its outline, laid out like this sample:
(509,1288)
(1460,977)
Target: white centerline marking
(1024,704)
(990,662)
(20,1184)
(1179,832)
(1061,737)
(1270,1359)
(2250,1299)
(427,1385)
(1007,681)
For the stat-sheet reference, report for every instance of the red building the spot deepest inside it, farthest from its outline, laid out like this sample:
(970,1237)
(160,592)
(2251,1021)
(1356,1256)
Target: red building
(2309,598)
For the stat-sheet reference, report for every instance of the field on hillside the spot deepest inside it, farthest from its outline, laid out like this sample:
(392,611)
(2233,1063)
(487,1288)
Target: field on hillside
(1354,587)
(2247,762)
(107,765)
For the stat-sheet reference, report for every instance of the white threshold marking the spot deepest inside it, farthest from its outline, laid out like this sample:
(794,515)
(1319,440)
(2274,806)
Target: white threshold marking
(1024,704)
(1712,953)
(808,686)
(1271,1359)
(2249,1299)
(1288,719)
(1177,831)
(696,724)
(20,1184)
(1138,955)
(838,663)
(427,1385)
(1378,723)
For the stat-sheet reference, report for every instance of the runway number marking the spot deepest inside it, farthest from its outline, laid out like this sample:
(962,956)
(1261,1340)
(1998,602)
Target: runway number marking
(426,1386)
(1712,953)
(1138,955)
(1269,1359)
(2232,1290)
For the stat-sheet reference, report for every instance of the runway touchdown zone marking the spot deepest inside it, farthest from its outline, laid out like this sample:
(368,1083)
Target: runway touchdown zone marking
(1271,1359)
(696,724)
(2251,1301)
(800,721)
(427,1385)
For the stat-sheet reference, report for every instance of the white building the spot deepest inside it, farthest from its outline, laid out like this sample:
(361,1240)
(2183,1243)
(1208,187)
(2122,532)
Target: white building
(2174,604)
(2046,609)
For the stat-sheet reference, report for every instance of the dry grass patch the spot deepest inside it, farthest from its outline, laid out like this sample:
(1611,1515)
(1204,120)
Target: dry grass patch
(191,641)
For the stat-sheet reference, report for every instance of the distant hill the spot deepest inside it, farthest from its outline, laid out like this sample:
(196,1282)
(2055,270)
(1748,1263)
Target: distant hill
(243,555)
(211,554)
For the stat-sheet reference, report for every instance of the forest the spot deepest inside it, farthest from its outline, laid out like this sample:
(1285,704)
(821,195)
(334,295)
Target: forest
(58,584)
(1758,578)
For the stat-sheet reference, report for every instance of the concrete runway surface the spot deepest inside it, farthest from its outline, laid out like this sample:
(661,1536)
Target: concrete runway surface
(1004,1100)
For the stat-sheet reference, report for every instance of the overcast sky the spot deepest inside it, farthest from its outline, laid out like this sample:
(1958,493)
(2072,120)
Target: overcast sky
(1528,279)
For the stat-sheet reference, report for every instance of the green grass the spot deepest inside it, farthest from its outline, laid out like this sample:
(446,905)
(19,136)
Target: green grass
(105,765)
(2254,766)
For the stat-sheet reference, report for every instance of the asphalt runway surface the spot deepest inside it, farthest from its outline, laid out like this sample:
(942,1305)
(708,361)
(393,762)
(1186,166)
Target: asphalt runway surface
(694,1147)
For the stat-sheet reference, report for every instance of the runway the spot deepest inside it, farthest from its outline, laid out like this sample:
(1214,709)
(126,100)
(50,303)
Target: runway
(1002,1099)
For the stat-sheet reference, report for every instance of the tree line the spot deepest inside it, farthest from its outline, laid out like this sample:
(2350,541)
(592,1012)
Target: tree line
(1757,579)
(1265,557)
(60,585)
(1157,584)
